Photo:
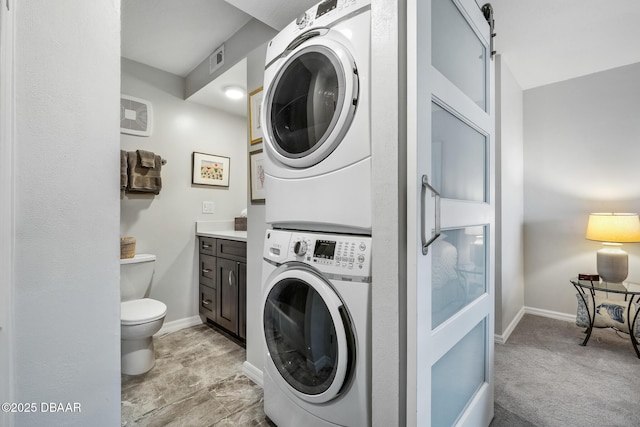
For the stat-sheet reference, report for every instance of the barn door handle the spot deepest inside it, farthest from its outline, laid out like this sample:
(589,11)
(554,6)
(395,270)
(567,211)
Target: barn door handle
(436,234)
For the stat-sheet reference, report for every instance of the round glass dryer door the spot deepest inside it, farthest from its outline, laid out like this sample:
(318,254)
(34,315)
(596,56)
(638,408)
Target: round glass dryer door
(308,336)
(311,102)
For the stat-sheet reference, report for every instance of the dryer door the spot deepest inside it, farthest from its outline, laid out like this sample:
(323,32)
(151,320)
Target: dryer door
(308,334)
(310,103)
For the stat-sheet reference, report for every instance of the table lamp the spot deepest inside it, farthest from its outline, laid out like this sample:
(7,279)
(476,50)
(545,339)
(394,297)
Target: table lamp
(613,229)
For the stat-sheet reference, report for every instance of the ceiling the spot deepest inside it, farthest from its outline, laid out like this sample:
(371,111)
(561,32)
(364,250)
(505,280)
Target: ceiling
(542,41)
(547,41)
(176,36)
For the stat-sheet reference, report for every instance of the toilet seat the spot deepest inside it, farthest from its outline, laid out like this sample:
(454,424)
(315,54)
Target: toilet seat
(141,311)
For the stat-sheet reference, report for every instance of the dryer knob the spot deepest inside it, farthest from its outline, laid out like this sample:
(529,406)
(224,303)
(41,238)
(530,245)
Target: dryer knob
(300,248)
(302,20)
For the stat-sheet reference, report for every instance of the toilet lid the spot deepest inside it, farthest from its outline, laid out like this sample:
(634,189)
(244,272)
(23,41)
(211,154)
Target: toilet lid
(140,311)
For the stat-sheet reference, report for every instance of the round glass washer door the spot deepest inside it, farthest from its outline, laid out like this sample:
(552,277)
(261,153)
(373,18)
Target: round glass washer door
(308,339)
(310,103)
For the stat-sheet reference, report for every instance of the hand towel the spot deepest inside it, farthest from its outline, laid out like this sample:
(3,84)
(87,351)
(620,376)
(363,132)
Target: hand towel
(147,158)
(144,180)
(123,170)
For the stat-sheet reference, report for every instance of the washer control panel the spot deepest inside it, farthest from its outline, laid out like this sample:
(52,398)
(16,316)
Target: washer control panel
(347,254)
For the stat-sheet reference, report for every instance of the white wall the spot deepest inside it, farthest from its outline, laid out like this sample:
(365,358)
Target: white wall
(256,228)
(164,225)
(66,268)
(509,200)
(581,155)
(7,149)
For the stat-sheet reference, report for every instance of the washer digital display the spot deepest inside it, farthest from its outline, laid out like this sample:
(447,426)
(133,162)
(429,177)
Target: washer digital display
(326,6)
(324,249)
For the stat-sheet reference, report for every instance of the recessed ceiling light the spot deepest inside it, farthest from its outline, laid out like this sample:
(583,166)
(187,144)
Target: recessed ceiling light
(234,92)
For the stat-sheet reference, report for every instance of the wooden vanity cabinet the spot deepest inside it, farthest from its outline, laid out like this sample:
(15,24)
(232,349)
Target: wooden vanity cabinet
(223,283)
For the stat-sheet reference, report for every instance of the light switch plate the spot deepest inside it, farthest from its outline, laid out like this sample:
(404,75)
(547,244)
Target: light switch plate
(208,207)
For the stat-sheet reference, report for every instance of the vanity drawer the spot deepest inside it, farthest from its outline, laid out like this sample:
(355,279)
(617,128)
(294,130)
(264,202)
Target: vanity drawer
(208,245)
(207,303)
(208,270)
(231,249)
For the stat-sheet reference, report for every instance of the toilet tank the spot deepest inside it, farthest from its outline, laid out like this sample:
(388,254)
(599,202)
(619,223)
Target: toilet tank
(135,276)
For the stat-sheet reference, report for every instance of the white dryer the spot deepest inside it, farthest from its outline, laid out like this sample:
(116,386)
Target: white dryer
(315,117)
(316,322)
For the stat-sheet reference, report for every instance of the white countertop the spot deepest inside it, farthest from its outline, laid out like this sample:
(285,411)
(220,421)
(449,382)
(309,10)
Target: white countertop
(240,236)
(220,230)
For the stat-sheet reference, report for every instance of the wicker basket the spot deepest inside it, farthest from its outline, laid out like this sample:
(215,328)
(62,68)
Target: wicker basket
(127,247)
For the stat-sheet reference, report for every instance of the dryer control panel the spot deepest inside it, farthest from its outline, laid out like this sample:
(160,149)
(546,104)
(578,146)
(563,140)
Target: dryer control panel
(333,9)
(330,253)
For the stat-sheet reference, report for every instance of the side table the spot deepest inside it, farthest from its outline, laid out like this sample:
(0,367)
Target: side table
(630,291)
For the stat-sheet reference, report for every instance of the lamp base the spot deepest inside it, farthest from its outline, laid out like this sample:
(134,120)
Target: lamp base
(613,264)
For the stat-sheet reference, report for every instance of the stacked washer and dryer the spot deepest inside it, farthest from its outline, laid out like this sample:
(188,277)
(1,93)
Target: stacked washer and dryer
(316,304)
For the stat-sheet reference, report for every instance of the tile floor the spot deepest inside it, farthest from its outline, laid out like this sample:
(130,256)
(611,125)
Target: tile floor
(197,382)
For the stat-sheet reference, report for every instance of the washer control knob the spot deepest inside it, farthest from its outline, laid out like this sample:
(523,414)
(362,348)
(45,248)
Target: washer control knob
(363,247)
(302,20)
(360,259)
(300,248)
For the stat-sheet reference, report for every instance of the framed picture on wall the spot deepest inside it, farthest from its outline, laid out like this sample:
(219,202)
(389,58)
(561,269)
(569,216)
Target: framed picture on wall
(255,105)
(208,169)
(256,176)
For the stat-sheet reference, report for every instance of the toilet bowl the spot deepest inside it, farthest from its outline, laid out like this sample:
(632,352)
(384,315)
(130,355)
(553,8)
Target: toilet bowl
(140,317)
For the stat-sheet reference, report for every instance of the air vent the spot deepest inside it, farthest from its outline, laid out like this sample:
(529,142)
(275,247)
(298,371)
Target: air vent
(136,116)
(216,60)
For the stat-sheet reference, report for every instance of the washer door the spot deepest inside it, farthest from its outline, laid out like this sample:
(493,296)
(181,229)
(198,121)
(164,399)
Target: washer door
(308,334)
(310,103)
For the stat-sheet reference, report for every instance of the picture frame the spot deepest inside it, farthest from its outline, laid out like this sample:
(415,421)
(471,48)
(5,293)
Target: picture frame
(256,176)
(209,169)
(255,107)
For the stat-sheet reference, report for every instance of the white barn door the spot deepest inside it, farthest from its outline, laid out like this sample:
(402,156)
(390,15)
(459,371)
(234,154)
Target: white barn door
(450,87)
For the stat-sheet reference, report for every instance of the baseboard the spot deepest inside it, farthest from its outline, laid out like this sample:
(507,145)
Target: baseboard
(253,373)
(179,324)
(501,339)
(552,314)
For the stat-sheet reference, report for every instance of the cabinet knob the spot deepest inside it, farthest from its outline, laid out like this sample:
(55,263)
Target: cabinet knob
(206,246)
(206,270)
(206,301)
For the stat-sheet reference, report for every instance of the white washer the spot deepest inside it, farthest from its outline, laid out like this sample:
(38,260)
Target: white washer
(315,113)
(316,323)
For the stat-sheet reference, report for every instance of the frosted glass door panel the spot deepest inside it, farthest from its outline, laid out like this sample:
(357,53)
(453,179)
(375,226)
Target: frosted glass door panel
(458,273)
(457,376)
(458,157)
(464,66)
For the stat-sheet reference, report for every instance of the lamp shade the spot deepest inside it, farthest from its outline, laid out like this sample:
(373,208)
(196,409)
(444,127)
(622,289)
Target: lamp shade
(614,227)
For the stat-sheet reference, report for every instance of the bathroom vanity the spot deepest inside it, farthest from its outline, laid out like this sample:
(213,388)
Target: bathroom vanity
(223,280)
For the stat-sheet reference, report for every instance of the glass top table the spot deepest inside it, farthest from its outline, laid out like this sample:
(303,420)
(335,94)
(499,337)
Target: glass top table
(629,290)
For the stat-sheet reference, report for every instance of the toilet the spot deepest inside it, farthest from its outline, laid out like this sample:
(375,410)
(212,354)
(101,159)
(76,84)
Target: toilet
(140,317)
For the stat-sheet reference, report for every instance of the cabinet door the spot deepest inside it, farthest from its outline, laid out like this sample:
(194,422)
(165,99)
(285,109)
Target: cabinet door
(242,300)
(208,270)
(227,294)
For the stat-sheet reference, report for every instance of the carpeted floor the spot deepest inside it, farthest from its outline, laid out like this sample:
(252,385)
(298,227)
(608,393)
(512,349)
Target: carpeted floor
(543,377)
